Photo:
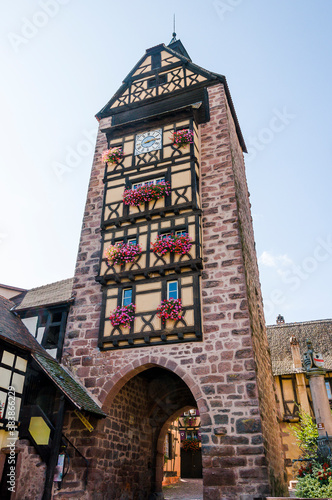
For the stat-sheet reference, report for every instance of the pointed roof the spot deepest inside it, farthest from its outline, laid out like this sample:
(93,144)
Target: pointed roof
(175,59)
(178,46)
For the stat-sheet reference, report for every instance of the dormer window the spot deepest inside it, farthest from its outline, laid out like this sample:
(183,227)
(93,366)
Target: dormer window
(156,60)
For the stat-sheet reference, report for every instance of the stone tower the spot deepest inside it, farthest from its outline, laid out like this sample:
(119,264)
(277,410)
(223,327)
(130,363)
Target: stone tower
(192,201)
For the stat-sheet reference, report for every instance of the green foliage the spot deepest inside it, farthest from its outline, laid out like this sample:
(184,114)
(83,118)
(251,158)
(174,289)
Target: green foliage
(310,486)
(314,477)
(306,434)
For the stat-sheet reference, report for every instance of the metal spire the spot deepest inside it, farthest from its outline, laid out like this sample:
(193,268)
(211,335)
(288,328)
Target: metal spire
(173,34)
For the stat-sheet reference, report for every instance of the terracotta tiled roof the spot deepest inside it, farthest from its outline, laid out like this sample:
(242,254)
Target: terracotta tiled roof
(13,330)
(52,294)
(319,332)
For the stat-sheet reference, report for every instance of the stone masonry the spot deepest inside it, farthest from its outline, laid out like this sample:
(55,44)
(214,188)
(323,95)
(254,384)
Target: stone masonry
(229,372)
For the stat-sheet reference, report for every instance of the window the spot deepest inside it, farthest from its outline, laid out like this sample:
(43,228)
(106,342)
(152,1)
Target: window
(127,295)
(172,290)
(181,233)
(328,389)
(156,60)
(158,80)
(131,240)
(148,183)
(152,82)
(54,325)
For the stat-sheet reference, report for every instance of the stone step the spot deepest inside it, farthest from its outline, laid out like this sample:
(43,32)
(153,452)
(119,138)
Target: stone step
(69,495)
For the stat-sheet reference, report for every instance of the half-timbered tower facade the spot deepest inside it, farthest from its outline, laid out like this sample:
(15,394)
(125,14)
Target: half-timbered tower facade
(168,313)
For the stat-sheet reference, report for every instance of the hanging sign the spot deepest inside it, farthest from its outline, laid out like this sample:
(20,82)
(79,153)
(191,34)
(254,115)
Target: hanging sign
(84,420)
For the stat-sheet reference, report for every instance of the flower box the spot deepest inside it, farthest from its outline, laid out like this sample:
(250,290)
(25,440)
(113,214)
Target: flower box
(172,244)
(170,309)
(190,445)
(123,315)
(121,253)
(112,155)
(136,197)
(182,137)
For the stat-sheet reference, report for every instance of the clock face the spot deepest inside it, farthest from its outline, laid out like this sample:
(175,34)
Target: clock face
(148,141)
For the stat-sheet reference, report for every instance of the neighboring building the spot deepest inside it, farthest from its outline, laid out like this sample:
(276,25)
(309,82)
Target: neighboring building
(9,292)
(183,449)
(287,342)
(36,394)
(214,357)
(44,312)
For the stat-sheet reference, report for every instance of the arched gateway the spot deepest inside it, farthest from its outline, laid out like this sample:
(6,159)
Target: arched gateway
(168,310)
(140,411)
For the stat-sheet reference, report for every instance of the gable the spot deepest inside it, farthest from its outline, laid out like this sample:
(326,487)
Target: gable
(160,72)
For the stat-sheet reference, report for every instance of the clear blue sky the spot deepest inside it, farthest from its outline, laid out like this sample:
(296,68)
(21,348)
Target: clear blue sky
(62,60)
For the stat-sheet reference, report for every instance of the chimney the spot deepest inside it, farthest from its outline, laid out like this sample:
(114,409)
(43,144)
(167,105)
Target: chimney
(296,355)
(280,319)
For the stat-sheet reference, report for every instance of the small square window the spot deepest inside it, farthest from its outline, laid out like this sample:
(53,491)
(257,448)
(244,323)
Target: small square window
(172,290)
(181,233)
(152,82)
(127,295)
(162,79)
(132,241)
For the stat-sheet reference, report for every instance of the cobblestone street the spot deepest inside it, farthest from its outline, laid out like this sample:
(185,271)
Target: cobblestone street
(185,489)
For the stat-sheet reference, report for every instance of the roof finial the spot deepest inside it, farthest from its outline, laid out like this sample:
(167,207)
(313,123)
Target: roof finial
(174,34)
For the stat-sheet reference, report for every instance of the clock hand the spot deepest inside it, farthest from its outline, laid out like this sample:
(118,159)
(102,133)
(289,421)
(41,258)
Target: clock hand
(150,140)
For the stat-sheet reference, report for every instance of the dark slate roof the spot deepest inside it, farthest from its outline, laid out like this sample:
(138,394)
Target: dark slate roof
(74,391)
(177,49)
(319,332)
(48,295)
(14,331)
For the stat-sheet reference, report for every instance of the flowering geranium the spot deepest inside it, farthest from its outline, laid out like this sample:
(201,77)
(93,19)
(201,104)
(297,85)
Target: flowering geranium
(314,480)
(182,137)
(112,155)
(145,193)
(170,309)
(123,315)
(172,243)
(121,253)
(190,445)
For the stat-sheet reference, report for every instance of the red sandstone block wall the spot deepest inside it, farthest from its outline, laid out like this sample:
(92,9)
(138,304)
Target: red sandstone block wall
(223,370)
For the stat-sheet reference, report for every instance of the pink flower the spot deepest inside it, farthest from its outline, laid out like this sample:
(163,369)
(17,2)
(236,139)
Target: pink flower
(182,137)
(124,315)
(170,309)
(112,155)
(173,244)
(121,253)
(136,197)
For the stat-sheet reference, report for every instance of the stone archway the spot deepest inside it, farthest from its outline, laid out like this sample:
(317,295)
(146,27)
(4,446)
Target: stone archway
(131,456)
